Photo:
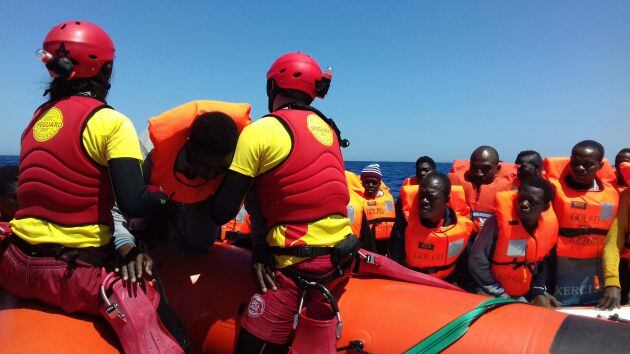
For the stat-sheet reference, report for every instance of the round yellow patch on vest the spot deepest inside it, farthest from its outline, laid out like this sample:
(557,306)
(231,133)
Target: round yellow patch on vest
(320,129)
(49,125)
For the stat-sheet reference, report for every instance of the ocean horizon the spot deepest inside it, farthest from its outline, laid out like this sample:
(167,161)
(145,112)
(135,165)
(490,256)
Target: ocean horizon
(394,172)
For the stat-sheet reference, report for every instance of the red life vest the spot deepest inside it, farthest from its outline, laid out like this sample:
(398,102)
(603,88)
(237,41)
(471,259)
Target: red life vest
(169,132)
(481,201)
(584,218)
(310,184)
(435,251)
(58,182)
(457,201)
(516,252)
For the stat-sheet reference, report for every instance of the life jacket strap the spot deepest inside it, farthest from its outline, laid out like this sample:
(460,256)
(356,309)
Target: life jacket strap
(433,270)
(580,231)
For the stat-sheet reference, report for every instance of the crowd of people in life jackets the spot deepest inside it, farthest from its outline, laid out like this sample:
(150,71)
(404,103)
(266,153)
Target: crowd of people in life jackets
(551,231)
(92,197)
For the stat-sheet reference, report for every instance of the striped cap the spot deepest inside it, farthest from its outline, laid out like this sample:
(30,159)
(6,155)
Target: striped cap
(372,170)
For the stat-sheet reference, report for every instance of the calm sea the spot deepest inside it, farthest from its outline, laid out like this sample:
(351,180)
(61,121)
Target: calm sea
(393,172)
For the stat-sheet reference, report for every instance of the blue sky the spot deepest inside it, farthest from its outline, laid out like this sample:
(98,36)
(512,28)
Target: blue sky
(411,77)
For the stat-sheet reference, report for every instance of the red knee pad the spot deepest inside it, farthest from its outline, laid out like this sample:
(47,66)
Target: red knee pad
(132,311)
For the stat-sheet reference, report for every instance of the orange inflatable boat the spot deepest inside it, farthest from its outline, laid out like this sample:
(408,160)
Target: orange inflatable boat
(209,291)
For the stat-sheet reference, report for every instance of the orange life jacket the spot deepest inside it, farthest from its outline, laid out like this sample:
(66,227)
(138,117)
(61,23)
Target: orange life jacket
(457,201)
(380,212)
(435,251)
(169,132)
(584,218)
(240,225)
(625,172)
(516,252)
(625,175)
(481,201)
(355,213)
(410,181)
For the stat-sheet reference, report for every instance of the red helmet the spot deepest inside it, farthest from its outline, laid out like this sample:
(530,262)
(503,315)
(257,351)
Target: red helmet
(299,71)
(86,44)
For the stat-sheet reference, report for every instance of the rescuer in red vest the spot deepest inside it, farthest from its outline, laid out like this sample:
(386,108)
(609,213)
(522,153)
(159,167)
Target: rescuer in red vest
(292,161)
(509,257)
(78,155)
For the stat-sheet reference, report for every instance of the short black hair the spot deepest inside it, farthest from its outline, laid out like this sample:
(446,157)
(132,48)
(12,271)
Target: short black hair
(8,177)
(425,159)
(527,153)
(540,183)
(591,144)
(442,178)
(489,149)
(621,152)
(214,133)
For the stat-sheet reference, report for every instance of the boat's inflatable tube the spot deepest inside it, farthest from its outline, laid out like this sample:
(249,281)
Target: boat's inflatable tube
(209,291)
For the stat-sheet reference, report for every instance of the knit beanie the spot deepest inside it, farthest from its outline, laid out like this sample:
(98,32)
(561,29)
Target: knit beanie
(372,170)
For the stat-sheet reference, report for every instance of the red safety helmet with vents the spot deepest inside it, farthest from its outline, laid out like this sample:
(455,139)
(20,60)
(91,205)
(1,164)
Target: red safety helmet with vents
(299,71)
(86,44)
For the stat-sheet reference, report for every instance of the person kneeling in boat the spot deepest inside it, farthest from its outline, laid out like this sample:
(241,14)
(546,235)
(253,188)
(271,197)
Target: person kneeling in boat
(616,256)
(432,238)
(375,209)
(77,157)
(530,164)
(292,160)
(186,152)
(585,204)
(509,257)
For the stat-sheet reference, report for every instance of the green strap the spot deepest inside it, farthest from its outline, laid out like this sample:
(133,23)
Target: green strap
(455,329)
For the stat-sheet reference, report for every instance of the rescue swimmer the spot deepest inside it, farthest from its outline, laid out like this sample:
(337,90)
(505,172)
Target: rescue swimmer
(585,205)
(432,237)
(77,156)
(298,201)
(509,257)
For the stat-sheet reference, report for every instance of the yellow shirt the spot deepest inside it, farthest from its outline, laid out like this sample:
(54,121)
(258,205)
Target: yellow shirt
(615,241)
(263,145)
(107,135)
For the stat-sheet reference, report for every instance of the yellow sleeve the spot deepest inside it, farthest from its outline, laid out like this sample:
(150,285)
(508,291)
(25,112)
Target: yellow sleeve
(614,244)
(109,135)
(261,146)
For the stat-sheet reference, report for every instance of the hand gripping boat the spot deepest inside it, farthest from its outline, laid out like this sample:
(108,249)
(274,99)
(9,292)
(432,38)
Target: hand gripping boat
(210,290)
